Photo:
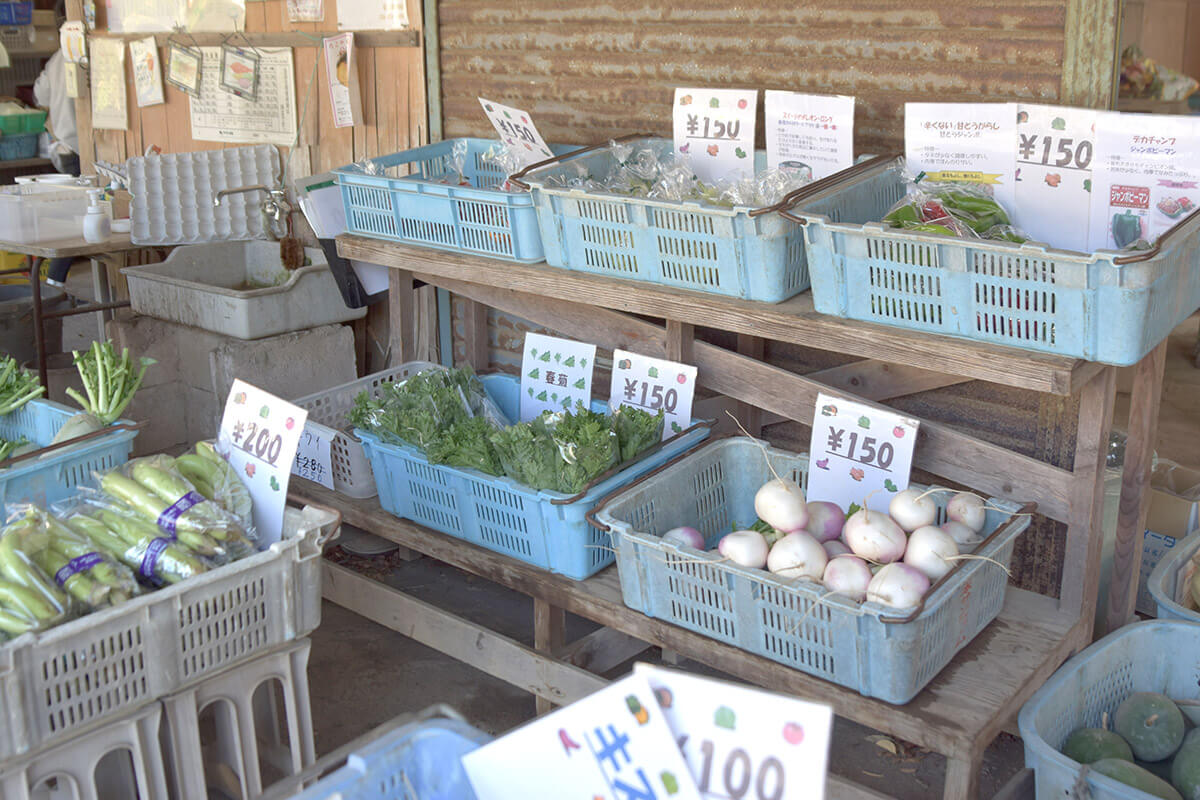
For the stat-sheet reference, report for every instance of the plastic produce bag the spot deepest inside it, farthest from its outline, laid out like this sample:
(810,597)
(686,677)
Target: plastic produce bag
(964,210)
(455,164)
(89,574)
(29,599)
(558,451)
(217,481)
(508,161)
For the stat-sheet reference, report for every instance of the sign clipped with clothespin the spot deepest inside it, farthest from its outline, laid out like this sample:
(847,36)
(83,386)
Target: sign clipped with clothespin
(654,384)
(714,129)
(259,436)
(342,79)
(859,454)
(517,130)
(744,742)
(556,375)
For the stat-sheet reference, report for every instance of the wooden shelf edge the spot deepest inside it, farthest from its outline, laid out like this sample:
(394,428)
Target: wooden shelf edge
(404,38)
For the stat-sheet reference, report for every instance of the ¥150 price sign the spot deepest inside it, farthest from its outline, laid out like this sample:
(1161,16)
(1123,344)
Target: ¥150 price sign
(259,435)
(1063,152)
(859,453)
(654,384)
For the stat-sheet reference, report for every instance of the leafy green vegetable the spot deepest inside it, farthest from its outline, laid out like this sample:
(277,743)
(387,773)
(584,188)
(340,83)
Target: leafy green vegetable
(636,429)
(7,446)
(17,386)
(420,408)
(110,382)
(466,444)
(560,452)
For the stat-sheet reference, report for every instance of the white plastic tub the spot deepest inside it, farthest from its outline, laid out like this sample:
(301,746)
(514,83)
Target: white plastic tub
(210,286)
(36,212)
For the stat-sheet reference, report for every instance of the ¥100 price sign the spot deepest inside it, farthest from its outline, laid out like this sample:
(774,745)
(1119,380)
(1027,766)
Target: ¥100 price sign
(653,384)
(859,453)
(258,437)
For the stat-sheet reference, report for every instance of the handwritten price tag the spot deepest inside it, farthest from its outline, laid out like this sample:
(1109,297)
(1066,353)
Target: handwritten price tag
(1055,146)
(258,436)
(652,384)
(517,130)
(741,742)
(314,461)
(715,129)
(859,453)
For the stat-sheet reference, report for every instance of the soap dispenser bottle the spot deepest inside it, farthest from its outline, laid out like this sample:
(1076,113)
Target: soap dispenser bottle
(97,226)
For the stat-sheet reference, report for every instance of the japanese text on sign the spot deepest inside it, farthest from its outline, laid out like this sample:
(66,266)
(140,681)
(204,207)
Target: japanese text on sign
(654,384)
(314,459)
(556,375)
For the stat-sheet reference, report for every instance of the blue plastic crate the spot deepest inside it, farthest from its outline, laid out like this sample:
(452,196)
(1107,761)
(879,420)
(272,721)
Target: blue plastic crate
(1154,656)
(723,251)
(53,477)
(419,760)
(16,12)
(1163,584)
(1026,296)
(18,145)
(547,529)
(794,622)
(419,209)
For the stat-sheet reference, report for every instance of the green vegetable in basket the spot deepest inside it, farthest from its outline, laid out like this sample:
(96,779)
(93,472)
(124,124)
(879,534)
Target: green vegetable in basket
(636,429)
(17,386)
(8,447)
(561,452)
(19,570)
(466,444)
(78,425)
(110,382)
(227,487)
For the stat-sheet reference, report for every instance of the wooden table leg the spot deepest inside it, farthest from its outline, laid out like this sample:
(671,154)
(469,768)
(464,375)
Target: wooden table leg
(751,416)
(549,623)
(475,334)
(39,333)
(1131,514)
(402,338)
(680,337)
(962,777)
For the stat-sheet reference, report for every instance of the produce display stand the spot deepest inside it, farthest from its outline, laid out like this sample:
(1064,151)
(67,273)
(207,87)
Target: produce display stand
(977,695)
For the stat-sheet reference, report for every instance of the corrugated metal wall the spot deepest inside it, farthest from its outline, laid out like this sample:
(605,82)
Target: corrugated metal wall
(591,70)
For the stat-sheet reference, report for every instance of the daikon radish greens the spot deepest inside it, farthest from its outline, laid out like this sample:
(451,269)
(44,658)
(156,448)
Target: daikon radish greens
(17,386)
(108,380)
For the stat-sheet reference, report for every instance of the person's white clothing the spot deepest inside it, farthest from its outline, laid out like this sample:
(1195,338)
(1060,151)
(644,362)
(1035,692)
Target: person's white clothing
(50,92)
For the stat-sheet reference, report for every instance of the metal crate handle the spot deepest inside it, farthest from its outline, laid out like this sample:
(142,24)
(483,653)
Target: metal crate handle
(828,182)
(516,177)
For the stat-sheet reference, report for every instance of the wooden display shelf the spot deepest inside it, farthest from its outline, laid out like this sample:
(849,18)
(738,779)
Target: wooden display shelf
(980,692)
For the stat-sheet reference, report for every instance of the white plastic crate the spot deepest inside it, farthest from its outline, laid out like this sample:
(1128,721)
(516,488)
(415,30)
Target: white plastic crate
(31,213)
(352,475)
(113,661)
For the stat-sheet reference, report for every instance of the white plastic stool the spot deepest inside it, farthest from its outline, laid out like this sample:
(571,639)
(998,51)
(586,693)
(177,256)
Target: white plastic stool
(237,744)
(73,764)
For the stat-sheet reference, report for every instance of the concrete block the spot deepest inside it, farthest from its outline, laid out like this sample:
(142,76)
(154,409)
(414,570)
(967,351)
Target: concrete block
(152,338)
(161,407)
(291,365)
(203,412)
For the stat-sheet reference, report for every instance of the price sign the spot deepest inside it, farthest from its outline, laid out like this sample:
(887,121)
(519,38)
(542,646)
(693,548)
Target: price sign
(517,130)
(810,130)
(714,128)
(965,143)
(258,437)
(742,743)
(313,459)
(556,375)
(1055,148)
(858,453)
(653,384)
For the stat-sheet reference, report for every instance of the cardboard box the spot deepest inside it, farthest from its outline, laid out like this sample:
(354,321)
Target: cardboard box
(1174,512)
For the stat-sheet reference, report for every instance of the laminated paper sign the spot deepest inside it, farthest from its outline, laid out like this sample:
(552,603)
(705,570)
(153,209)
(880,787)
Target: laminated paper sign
(816,131)
(714,128)
(517,130)
(556,375)
(147,71)
(108,84)
(965,143)
(342,78)
(1055,150)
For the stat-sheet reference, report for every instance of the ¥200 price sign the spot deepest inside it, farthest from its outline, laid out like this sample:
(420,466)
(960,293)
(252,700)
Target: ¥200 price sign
(654,384)
(859,453)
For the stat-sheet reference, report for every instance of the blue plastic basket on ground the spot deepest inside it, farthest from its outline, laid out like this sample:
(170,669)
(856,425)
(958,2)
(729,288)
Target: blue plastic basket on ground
(877,651)
(751,254)
(53,477)
(546,529)
(421,759)
(1154,656)
(1100,307)
(419,208)
(18,145)
(1164,581)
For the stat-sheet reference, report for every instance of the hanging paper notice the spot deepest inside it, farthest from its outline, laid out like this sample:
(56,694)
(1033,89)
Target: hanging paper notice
(314,460)
(517,130)
(1055,148)
(108,84)
(258,436)
(219,116)
(744,742)
(375,15)
(811,130)
(72,42)
(556,374)
(306,10)
(342,79)
(963,142)
(612,745)
(1146,177)
(147,71)
(653,384)
(859,453)
(715,129)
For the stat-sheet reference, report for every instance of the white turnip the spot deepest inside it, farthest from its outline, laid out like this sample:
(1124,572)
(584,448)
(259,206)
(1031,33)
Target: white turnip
(898,586)
(747,548)
(873,536)
(964,537)
(685,536)
(911,511)
(968,509)
(797,555)
(836,547)
(931,550)
(848,576)
(780,504)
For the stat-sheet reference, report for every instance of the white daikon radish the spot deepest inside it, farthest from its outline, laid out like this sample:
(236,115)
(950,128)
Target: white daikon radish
(873,536)
(932,551)
(686,536)
(825,520)
(747,548)
(966,539)
(911,511)
(848,576)
(797,555)
(836,547)
(780,504)
(968,509)
(898,586)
